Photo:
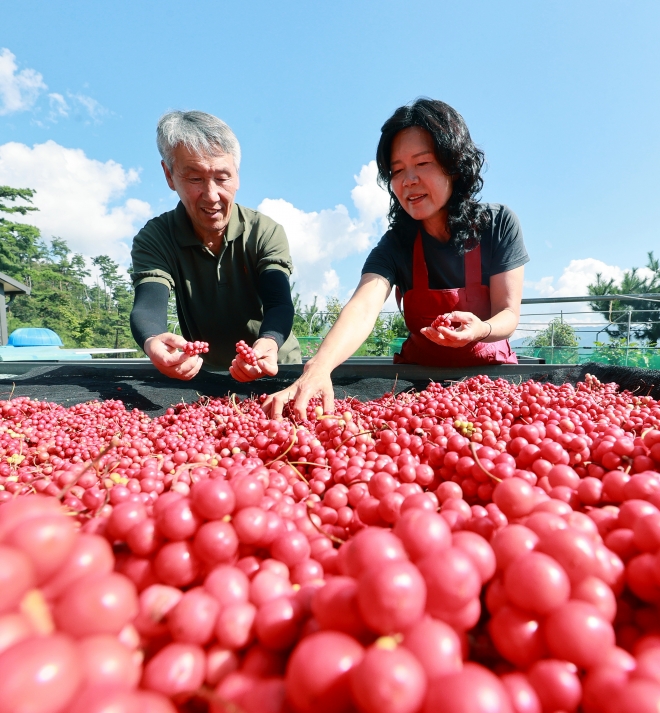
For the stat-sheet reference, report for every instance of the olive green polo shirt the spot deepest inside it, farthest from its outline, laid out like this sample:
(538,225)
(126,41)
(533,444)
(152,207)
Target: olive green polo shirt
(216,295)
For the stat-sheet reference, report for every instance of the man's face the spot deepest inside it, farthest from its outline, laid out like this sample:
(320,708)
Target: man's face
(206,186)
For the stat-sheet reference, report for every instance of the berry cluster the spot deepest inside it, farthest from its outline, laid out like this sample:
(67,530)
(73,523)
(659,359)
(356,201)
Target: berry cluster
(195,348)
(246,353)
(442,320)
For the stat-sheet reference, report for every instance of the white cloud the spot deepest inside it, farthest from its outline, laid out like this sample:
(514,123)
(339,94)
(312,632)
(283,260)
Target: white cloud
(576,277)
(330,283)
(19,90)
(319,239)
(58,107)
(75,105)
(80,199)
(645,273)
(22,90)
(94,109)
(371,201)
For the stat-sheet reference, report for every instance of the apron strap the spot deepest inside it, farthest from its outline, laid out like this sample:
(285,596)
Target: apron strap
(420,276)
(473,274)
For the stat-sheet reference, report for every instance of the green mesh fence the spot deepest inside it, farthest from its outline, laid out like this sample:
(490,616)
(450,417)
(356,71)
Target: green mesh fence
(372,347)
(615,355)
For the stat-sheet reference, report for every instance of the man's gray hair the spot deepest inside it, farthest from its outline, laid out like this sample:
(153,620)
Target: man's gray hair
(201,133)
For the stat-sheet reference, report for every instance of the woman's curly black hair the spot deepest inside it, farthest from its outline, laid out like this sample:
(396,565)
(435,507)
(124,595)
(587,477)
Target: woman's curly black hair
(457,155)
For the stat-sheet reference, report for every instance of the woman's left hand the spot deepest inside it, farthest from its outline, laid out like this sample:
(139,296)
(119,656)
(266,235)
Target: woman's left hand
(471,329)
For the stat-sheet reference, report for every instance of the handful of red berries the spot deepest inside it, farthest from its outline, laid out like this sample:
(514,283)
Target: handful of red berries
(195,348)
(246,353)
(442,320)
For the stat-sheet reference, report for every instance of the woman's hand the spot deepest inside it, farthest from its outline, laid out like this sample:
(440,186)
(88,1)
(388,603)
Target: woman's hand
(265,350)
(505,297)
(313,382)
(471,329)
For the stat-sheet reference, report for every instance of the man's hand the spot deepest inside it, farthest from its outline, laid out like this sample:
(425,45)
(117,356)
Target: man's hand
(265,350)
(472,329)
(313,382)
(163,350)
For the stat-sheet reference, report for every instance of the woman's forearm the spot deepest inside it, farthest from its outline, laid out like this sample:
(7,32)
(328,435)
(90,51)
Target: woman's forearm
(502,326)
(347,334)
(505,297)
(354,324)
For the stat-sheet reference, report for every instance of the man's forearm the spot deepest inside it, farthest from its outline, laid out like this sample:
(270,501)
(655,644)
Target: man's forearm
(149,313)
(275,294)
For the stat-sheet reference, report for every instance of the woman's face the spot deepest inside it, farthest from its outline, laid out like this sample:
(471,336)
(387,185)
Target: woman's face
(417,179)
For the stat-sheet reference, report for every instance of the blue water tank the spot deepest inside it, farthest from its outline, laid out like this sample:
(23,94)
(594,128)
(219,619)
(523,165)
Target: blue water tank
(34,337)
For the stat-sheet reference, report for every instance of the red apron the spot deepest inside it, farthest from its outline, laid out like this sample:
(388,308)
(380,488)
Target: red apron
(422,305)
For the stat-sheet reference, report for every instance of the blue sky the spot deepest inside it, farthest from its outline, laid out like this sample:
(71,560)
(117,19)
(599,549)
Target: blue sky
(563,96)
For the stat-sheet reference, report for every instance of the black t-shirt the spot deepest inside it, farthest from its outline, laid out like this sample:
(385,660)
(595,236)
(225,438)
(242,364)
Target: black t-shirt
(502,249)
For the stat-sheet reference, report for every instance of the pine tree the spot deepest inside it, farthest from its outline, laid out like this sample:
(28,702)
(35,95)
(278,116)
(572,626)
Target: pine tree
(642,315)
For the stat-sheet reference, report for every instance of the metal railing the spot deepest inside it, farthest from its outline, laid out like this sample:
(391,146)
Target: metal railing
(608,351)
(623,352)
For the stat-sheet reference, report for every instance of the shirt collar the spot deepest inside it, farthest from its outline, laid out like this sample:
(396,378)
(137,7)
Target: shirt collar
(185,233)
(236,224)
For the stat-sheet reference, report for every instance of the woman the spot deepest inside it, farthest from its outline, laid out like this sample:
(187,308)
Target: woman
(445,253)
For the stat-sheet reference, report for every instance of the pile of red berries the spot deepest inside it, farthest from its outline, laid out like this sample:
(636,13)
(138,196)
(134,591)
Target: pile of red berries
(195,348)
(246,353)
(67,642)
(487,547)
(442,320)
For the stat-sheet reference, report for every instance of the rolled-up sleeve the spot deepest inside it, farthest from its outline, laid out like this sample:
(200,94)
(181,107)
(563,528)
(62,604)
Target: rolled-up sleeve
(149,261)
(384,259)
(273,251)
(509,251)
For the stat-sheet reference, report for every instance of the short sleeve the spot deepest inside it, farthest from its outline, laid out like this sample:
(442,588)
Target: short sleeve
(150,263)
(273,250)
(509,250)
(383,260)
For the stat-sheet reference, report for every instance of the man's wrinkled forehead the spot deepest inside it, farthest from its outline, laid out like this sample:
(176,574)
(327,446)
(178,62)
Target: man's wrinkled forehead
(186,159)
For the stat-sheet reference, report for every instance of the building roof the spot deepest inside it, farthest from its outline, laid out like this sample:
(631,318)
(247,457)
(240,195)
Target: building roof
(11,285)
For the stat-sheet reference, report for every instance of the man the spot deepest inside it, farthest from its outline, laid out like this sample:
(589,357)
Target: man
(229,266)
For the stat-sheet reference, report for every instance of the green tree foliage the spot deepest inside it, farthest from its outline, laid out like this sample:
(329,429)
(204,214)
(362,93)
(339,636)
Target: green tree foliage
(172,315)
(20,244)
(557,334)
(643,316)
(7,193)
(388,327)
(619,352)
(61,300)
(310,321)
(557,343)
